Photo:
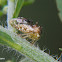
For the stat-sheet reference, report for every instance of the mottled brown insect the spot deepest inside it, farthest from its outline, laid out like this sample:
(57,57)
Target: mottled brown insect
(29,31)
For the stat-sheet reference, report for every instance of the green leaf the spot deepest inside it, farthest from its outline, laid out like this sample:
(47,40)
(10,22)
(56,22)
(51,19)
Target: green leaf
(3,2)
(59,6)
(19,5)
(5,39)
(27,2)
(10,39)
(1,13)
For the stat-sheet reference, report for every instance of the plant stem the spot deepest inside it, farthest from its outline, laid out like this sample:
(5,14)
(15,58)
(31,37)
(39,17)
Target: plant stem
(11,8)
(23,46)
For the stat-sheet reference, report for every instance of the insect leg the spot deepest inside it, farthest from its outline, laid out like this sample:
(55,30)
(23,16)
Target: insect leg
(25,37)
(33,42)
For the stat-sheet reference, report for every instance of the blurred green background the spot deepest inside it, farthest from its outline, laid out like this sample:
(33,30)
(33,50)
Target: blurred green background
(44,12)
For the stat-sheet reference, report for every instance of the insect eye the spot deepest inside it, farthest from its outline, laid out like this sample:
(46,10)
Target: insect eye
(26,20)
(29,22)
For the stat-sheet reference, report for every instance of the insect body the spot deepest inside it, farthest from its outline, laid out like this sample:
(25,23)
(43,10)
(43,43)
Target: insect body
(29,31)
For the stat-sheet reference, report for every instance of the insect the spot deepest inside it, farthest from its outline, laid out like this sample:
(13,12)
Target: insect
(26,29)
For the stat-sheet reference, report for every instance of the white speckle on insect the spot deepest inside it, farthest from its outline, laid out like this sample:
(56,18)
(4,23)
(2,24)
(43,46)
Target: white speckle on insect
(23,25)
